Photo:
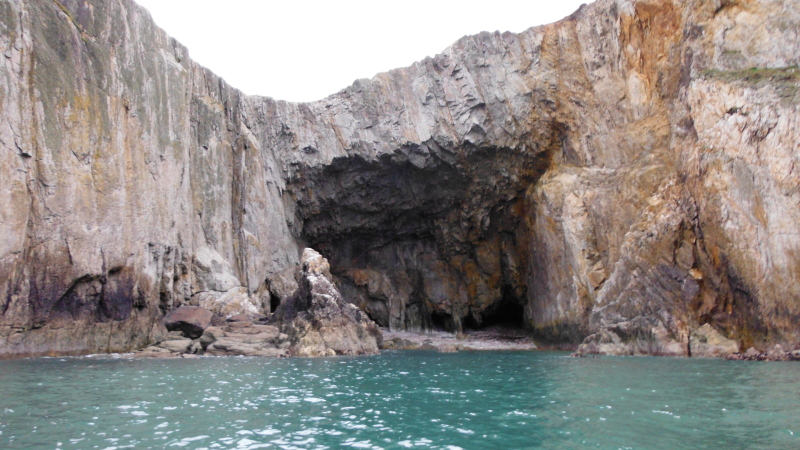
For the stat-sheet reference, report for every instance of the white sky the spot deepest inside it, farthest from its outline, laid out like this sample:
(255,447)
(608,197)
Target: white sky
(306,50)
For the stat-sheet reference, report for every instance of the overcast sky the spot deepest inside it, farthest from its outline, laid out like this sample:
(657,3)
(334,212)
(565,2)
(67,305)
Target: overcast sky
(306,50)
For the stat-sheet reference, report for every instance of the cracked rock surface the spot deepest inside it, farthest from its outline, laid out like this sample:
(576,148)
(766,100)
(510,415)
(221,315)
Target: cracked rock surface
(319,322)
(314,321)
(622,181)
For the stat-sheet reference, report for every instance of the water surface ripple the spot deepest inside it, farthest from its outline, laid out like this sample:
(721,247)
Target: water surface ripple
(399,399)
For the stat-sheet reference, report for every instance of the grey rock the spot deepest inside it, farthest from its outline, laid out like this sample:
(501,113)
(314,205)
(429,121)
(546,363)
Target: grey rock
(708,342)
(241,318)
(174,336)
(210,335)
(233,302)
(242,339)
(196,347)
(189,320)
(752,353)
(776,354)
(177,346)
(318,321)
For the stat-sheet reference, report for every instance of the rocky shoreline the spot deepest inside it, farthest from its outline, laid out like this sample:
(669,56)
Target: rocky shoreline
(246,336)
(243,338)
(240,337)
(317,321)
(314,321)
(491,338)
(776,354)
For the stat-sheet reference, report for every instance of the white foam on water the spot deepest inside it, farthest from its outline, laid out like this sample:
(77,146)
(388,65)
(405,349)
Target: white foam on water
(267,432)
(186,441)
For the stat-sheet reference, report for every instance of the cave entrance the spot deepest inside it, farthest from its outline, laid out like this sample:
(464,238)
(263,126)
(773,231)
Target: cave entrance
(274,302)
(443,322)
(507,313)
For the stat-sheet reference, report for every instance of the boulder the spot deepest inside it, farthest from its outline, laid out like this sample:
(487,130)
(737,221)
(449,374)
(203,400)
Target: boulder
(317,319)
(176,346)
(247,318)
(227,304)
(399,344)
(243,339)
(191,320)
(753,354)
(240,318)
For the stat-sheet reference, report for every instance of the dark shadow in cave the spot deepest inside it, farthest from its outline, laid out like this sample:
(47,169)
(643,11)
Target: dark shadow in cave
(274,302)
(507,313)
(443,322)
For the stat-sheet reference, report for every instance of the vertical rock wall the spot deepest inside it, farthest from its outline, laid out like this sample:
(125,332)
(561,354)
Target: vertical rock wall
(127,174)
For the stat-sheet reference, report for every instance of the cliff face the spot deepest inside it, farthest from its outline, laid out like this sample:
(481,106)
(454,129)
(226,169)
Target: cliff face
(619,179)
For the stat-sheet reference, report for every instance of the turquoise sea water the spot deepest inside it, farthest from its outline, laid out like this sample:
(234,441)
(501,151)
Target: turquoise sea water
(400,399)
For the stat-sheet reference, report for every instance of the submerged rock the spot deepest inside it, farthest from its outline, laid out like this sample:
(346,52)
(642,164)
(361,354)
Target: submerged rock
(317,319)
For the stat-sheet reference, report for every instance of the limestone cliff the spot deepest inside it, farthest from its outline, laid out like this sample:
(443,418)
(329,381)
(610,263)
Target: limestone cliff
(623,179)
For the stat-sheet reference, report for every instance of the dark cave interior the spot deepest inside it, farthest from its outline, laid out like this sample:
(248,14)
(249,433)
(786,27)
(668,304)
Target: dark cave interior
(274,302)
(507,313)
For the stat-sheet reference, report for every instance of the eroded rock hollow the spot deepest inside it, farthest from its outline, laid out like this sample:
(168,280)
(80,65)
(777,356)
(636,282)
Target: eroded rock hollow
(622,180)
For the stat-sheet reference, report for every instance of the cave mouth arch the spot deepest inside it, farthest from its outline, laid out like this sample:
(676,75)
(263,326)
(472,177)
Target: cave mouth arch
(407,234)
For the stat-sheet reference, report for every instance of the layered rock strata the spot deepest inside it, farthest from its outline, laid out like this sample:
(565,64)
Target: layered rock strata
(622,179)
(235,338)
